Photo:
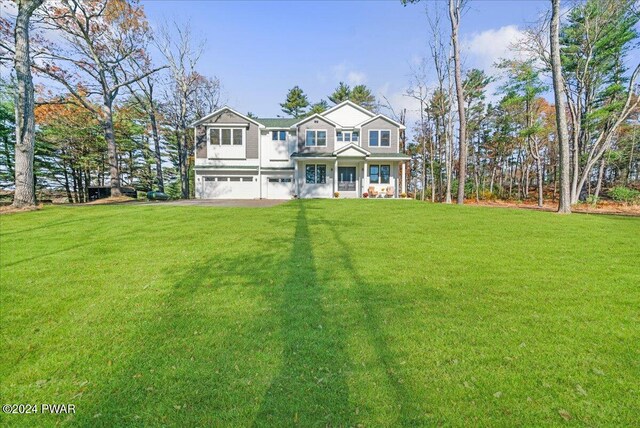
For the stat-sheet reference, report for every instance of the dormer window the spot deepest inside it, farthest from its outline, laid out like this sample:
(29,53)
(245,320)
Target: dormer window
(278,135)
(347,136)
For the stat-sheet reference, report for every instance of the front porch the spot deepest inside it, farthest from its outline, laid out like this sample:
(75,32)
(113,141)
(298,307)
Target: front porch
(351,172)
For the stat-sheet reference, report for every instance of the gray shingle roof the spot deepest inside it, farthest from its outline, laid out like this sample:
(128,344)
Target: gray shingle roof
(331,155)
(389,155)
(312,155)
(278,122)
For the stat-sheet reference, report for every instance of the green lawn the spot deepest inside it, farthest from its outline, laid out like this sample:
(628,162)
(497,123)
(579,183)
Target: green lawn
(321,313)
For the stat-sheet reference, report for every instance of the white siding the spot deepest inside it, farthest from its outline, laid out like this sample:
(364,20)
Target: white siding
(348,116)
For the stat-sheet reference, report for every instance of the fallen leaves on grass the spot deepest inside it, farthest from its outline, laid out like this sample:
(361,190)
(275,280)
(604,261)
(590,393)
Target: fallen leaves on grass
(565,415)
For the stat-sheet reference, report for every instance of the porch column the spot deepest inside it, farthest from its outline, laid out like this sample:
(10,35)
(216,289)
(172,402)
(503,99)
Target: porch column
(296,188)
(335,176)
(404,177)
(365,178)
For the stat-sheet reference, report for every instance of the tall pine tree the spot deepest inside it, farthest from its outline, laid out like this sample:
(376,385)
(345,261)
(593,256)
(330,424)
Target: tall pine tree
(296,102)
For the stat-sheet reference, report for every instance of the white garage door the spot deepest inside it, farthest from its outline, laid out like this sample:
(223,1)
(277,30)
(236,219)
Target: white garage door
(279,188)
(234,187)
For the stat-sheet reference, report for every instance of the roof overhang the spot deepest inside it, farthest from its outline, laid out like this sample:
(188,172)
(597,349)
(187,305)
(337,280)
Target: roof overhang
(217,112)
(350,103)
(351,150)
(383,117)
(390,158)
(315,116)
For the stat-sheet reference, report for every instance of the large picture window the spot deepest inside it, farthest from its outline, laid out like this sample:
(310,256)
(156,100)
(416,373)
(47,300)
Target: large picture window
(316,174)
(315,138)
(226,136)
(380,174)
(379,138)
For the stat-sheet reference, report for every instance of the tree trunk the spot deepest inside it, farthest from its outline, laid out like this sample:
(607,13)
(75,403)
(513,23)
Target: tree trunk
(596,193)
(185,161)
(540,181)
(431,172)
(493,178)
(25,119)
(448,152)
(157,154)
(454,16)
(112,149)
(564,206)
(424,152)
(633,145)
(66,179)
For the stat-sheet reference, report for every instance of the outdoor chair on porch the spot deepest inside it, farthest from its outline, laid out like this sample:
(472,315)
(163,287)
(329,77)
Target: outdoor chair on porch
(389,193)
(372,192)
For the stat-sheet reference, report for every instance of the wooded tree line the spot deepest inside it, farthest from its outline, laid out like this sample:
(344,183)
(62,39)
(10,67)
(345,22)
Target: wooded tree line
(512,142)
(111,113)
(107,111)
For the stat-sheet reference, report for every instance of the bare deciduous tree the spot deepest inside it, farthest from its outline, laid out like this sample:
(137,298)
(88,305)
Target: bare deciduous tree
(564,206)
(455,10)
(102,36)
(182,58)
(25,119)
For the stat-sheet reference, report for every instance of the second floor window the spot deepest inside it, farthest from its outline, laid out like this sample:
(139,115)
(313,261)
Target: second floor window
(316,174)
(315,138)
(347,136)
(379,138)
(226,136)
(279,135)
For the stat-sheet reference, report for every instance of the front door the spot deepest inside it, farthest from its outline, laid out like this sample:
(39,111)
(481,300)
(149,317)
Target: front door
(346,178)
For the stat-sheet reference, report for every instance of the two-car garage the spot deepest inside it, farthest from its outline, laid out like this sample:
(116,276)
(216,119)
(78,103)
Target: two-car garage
(242,185)
(229,187)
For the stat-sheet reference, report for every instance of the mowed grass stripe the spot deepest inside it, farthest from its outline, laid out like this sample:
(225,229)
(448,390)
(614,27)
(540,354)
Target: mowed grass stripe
(320,313)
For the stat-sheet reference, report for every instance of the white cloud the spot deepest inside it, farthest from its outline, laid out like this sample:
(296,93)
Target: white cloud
(356,78)
(484,49)
(344,72)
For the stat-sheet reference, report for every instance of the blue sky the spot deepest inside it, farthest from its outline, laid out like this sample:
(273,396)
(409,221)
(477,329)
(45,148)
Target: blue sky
(260,49)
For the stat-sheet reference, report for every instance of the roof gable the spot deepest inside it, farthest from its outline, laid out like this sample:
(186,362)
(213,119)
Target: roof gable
(315,116)
(347,114)
(351,150)
(383,117)
(352,105)
(222,110)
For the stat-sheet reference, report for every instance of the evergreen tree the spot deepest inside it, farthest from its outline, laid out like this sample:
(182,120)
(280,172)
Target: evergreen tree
(296,102)
(342,93)
(318,107)
(595,42)
(363,96)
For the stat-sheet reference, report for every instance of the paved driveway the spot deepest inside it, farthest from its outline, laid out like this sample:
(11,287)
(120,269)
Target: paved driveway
(249,203)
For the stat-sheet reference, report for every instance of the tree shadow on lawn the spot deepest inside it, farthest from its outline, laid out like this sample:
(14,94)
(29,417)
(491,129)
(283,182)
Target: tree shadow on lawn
(311,387)
(48,223)
(401,398)
(251,337)
(195,359)
(235,339)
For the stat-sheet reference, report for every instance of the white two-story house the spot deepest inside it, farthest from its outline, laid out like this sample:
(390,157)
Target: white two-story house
(346,149)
